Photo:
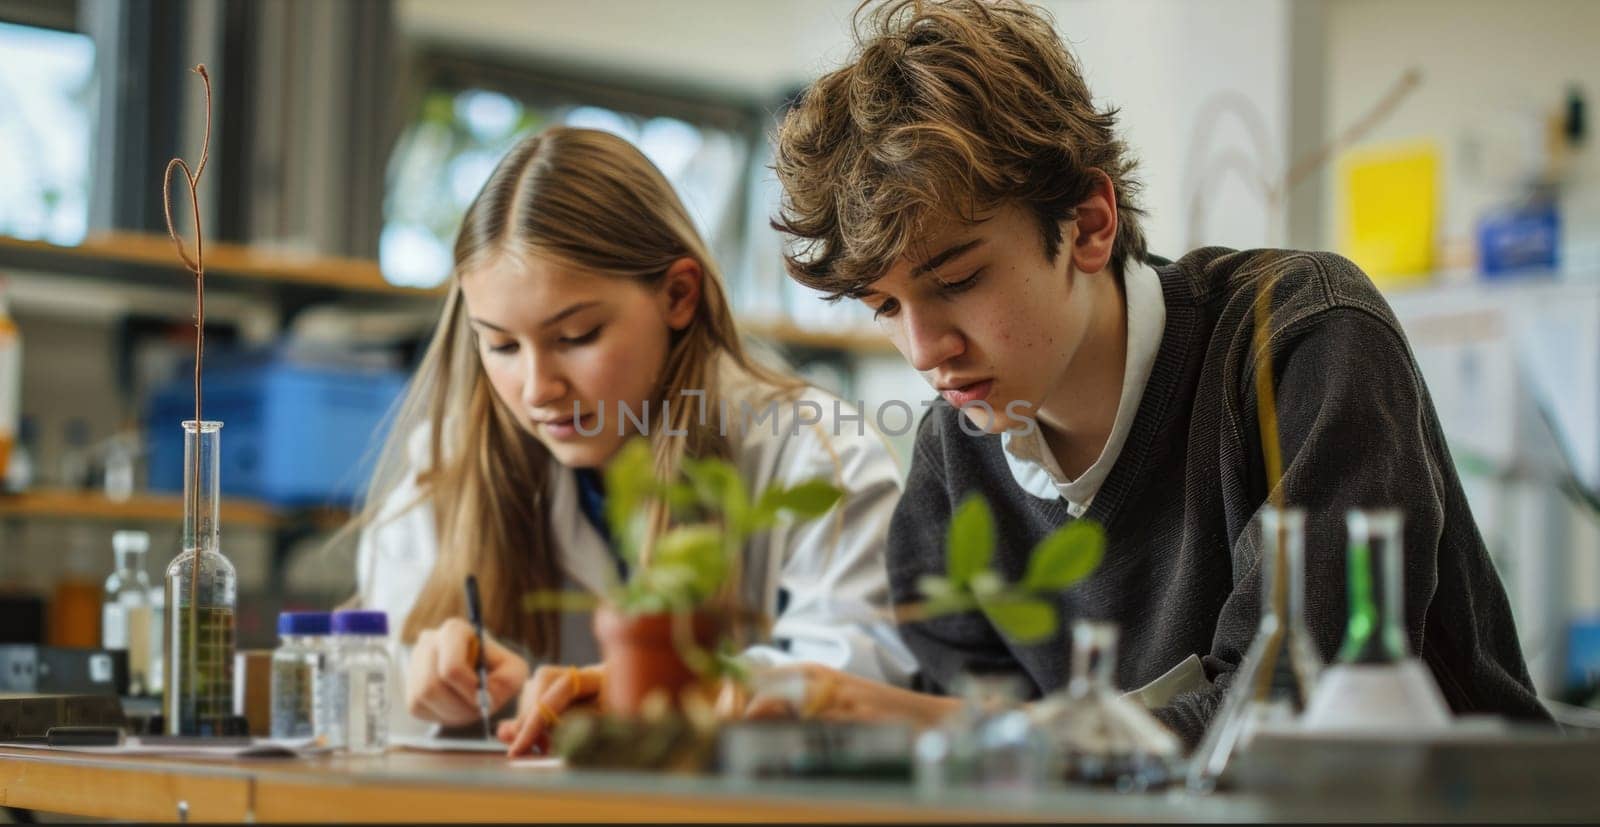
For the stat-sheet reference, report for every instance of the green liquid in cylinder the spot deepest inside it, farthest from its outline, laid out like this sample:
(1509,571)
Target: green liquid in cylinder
(198,695)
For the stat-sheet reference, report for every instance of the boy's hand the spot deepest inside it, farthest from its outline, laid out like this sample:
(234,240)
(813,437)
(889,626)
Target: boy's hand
(811,690)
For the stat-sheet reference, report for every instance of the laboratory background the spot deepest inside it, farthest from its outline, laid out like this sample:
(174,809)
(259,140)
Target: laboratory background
(1446,146)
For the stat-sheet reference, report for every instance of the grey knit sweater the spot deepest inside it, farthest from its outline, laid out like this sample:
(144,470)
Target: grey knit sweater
(1181,574)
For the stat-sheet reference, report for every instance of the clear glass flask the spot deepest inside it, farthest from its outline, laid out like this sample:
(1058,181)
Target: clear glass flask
(1273,683)
(125,622)
(952,754)
(1376,685)
(201,596)
(1097,735)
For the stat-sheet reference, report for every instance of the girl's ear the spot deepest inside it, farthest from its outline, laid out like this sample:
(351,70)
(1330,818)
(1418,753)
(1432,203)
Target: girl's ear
(679,295)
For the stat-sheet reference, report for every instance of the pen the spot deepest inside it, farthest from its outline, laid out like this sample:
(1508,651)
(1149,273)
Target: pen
(475,615)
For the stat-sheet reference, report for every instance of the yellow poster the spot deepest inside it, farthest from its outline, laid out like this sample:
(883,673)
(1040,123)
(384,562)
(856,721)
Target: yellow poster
(1389,208)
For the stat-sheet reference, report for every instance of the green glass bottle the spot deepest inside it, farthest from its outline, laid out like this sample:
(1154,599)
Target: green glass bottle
(1375,685)
(1375,632)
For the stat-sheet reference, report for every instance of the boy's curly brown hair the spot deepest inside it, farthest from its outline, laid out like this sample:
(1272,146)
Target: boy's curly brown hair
(949,108)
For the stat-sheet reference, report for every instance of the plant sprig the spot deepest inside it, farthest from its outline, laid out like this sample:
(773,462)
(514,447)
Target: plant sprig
(1020,610)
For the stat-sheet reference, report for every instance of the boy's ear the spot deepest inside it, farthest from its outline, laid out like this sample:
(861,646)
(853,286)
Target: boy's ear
(1096,228)
(680,292)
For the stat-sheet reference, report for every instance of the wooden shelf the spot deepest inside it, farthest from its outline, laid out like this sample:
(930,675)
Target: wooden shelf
(147,258)
(150,259)
(87,505)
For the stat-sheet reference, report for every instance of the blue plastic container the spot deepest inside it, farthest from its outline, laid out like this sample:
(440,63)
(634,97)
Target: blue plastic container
(1583,653)
(1511,242)
(293,434)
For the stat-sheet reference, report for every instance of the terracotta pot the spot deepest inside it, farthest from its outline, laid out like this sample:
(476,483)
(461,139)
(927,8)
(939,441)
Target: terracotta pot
(641,656)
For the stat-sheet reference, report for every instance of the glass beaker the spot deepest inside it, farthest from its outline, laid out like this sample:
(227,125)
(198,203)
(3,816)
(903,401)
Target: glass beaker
(1098,736)
(1273,683)
(1376,685)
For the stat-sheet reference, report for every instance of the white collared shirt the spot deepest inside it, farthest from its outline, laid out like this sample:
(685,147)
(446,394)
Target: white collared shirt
(1032,463)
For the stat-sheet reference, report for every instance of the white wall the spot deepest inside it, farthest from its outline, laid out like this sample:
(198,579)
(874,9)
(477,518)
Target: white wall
(1166,64)
(1487,68)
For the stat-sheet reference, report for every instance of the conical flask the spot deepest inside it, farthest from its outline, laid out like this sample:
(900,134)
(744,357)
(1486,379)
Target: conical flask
(201,594)
(1376,685)
(1097,735)
(1273,684)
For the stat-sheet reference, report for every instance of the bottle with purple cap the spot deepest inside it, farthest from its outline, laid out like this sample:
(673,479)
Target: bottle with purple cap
(359,686)
(302,637)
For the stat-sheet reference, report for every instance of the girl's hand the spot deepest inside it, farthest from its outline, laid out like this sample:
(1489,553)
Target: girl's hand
(811,690)
(545,698)
(442,675)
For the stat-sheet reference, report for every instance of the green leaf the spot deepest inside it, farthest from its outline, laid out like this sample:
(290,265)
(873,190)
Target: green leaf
(807,500)
(1068,555)
(719,487)
(969,545)
(987,584)
(630,483)
(933,587)
(954,603)
(689,561)
(1022,619)
(559,601)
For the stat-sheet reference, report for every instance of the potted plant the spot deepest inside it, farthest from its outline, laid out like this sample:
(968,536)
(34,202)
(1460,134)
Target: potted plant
(661,630)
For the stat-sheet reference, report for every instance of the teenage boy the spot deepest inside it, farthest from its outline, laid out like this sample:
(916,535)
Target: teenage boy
(957,178)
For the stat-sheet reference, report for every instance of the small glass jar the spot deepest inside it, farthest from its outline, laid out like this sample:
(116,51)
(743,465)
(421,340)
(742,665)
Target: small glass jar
(358,692)
(975,746)
(302,636)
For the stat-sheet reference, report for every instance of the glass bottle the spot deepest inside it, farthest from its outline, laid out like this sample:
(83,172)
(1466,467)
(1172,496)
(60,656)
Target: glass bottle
(77,601)
(1013,752)
(1376,685)
(303,636)
(1099,736)
(75,457)
(1274,681)
(19,472)
(950,755)
(201,593)
(119,471)
(156,673)
(125,616)
(360,682)
(10,383)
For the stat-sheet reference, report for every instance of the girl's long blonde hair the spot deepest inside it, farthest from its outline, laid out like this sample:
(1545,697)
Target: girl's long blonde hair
(591,200)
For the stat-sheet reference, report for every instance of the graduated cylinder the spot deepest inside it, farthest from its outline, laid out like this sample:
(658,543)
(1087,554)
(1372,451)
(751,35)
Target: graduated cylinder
(202,593)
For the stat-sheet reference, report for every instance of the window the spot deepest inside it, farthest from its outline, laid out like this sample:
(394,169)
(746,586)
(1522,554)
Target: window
(460,134)
(47,105)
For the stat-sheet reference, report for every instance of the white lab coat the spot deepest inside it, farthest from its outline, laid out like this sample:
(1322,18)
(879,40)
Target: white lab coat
(838,594)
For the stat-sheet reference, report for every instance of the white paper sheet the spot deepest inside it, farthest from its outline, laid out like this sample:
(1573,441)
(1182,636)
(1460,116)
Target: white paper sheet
(434,743)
